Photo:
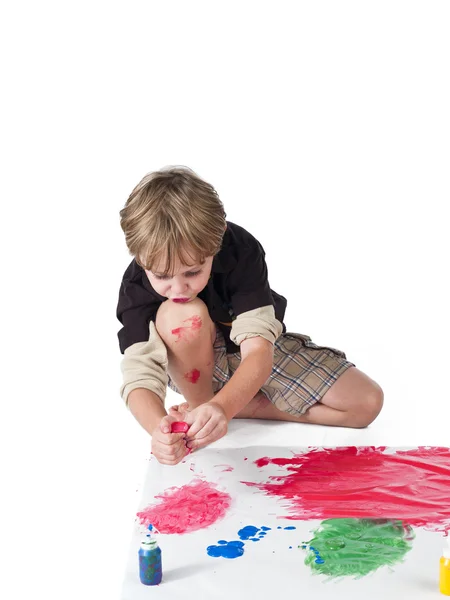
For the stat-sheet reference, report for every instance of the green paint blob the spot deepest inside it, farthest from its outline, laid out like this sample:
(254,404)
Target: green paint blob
(357,547)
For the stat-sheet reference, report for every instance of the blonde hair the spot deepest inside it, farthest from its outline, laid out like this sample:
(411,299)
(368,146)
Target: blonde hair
(173,213)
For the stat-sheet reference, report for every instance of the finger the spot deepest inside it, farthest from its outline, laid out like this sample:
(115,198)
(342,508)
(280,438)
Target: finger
(206,430)
(170,452)
(215,435)
(170,439)
(184,406)
(166,423)
(176,414)
(196,422)
(171,462)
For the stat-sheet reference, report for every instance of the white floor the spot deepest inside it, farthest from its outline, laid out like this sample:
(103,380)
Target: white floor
(324,128)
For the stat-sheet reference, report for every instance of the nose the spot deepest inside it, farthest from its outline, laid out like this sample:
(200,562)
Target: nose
(178,286)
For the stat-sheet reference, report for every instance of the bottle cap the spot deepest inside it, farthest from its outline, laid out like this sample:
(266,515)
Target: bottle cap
(149,544)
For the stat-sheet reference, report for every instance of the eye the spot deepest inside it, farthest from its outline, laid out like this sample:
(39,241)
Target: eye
(161,277)
(193,273)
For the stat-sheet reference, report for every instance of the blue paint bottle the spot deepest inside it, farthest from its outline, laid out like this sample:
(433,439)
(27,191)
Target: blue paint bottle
(150,565)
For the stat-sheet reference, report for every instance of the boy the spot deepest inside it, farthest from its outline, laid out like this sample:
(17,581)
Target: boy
(198,315)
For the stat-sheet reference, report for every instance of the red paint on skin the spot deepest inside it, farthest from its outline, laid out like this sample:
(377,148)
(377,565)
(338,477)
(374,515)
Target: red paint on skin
(188,508)
(365,482)
(184,332)
(193,376)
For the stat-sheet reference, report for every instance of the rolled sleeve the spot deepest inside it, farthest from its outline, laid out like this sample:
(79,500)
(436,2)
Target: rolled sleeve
(144,365)
(259,322)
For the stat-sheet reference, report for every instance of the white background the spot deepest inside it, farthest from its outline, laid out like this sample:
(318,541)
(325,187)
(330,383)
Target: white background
(325,128)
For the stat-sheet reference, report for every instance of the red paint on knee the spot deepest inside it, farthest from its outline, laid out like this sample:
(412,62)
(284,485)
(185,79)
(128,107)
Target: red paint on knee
(184,331)
(193,376)
(196,322)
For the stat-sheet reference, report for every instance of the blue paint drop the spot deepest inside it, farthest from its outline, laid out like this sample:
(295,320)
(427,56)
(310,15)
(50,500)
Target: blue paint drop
(262,533)
(265,528)
(229,550)
(255,539)
(248,532)
(290,547)
(319,561)
(291,527)
(236,543)
(222,542)
(278,527)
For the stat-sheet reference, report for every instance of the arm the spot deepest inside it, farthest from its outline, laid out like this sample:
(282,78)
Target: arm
(209,421)
(147,408)
(168,448)
(252,373)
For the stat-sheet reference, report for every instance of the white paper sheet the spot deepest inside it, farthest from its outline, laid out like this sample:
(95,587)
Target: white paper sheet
(269,565)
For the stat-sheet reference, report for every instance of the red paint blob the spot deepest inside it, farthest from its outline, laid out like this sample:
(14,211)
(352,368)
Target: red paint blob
(193,376)
(185,332)
(365,482)
(183,509)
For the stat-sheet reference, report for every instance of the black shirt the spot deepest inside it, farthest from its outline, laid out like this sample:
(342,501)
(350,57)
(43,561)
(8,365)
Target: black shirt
(238,283)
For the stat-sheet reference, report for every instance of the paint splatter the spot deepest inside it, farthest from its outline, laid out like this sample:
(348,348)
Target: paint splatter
(192,376)
(226,468)
(365,482)
(357,547)
(185,332)
(226,549)
(246,533)
(194,506)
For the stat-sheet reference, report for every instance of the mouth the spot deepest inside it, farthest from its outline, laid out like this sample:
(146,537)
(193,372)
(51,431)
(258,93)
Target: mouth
(180,300)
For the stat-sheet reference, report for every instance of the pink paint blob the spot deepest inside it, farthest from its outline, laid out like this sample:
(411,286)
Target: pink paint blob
(226,468)
(194,506)
(365,482)
(193,376)
(185,332)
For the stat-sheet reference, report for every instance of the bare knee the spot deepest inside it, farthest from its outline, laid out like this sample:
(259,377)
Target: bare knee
(369,407)
(182,324)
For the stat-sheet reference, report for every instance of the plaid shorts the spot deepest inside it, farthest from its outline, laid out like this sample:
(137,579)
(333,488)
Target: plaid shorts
(302,372)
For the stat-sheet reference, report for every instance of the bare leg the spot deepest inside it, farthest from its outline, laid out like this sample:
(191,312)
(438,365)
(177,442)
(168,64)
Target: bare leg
(354,400)
(189,335)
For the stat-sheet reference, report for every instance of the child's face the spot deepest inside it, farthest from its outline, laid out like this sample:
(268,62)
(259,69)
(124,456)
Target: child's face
(184,283)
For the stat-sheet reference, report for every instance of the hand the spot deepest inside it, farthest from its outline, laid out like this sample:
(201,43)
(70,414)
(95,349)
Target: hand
(168,448)
(208,424)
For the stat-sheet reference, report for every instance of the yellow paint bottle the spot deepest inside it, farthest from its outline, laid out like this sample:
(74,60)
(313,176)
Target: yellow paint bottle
(444,577)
